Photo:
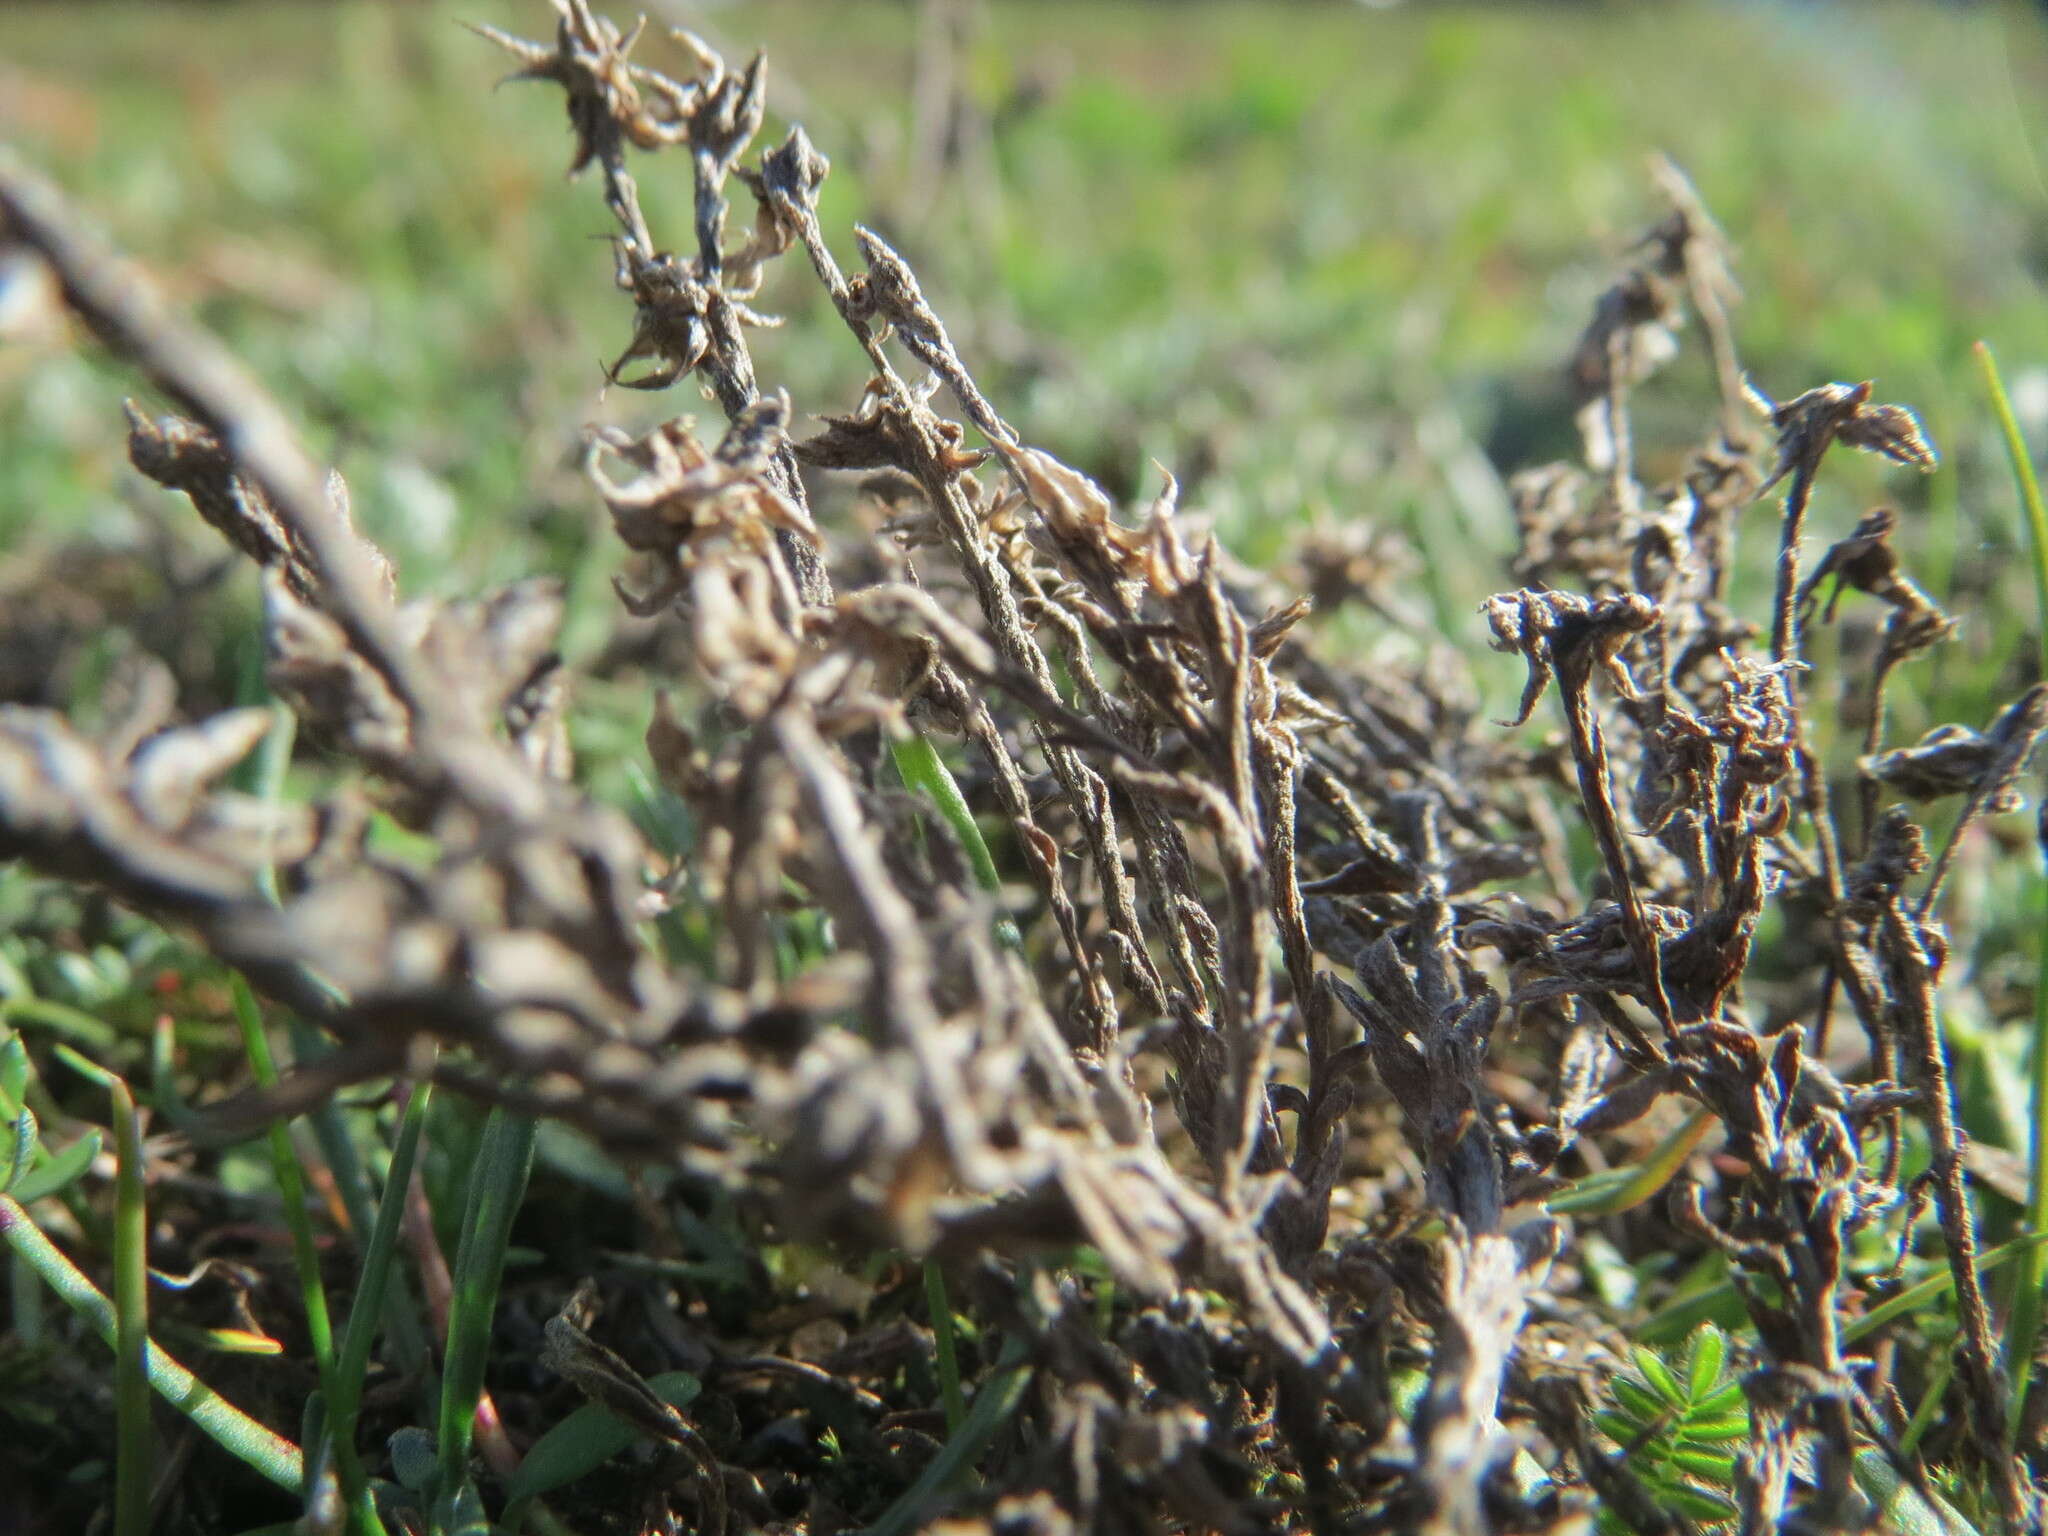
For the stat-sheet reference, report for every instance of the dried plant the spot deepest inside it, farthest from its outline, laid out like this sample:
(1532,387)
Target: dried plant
(1287,926)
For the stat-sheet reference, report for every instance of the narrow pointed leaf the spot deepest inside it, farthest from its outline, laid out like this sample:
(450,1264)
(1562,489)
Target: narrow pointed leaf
(588,1438)
(60,1170)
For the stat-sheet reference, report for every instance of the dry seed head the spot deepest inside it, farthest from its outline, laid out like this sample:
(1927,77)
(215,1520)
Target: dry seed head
(590,62)
(1567,634)
(1809,423)
(1955,760)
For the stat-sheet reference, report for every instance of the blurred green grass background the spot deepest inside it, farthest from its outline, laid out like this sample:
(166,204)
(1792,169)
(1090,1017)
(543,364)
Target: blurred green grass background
(1321,260)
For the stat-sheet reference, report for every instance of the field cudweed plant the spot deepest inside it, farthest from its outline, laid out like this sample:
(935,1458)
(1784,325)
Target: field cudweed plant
(1069,1048)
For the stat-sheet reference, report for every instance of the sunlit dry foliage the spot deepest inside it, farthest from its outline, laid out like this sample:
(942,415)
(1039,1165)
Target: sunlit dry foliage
(1261,924)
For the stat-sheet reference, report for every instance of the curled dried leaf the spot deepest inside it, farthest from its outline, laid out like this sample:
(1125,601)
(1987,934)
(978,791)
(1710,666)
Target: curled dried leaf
(1566,635)
(1868,562)
(611,100)
(1808,424)
(1078,513)
(1955,760)
(683,494)
(671,316)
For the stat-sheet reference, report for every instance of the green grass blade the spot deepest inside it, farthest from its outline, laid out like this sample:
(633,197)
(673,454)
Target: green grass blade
(2031,502)
(331,1132)
(1719,1303)
(1938,1378)
(60,1018)
(132,1443)
(13,1071)
(272,762)
(922,769)
(373,1287)
(585,1441)
(58,1170)
(918,761)
(942,1340)
(291,1186)
(1623,1189)
(1934,1288)
(360,1333)
(1722,1303)
(21,1142)
(401,1314)
(993,1405)
(269,1453)
(164,1096)
(2025,1325)
(497,1184)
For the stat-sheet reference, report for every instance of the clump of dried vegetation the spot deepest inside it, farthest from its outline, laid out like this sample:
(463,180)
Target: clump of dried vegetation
(1214,1086)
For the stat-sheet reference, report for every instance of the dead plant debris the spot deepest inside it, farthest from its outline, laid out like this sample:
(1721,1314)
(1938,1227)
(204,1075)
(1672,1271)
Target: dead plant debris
(1245,1041)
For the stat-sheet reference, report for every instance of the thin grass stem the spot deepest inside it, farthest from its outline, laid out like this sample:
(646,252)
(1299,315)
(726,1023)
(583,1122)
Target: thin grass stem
(996,1400)
(269,1453)
(359,1335)
(2032,1274)
(132,1438)
(291,1188)
(942,1340)
(497,1184)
